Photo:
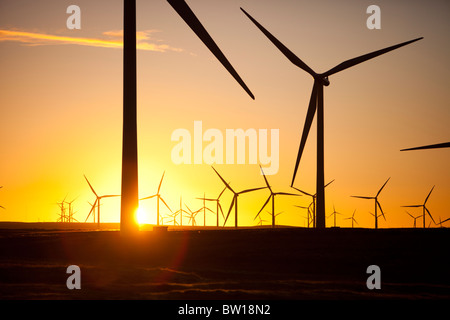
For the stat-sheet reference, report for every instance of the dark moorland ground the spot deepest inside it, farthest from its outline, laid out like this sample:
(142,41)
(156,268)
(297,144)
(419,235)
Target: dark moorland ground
(252,263)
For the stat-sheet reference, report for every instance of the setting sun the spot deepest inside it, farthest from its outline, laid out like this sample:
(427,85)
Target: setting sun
(142,216)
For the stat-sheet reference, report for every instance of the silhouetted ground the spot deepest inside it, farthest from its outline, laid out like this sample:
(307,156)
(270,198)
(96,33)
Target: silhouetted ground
(253,263)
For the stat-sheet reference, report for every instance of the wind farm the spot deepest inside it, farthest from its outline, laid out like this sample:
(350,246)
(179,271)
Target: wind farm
(204,218)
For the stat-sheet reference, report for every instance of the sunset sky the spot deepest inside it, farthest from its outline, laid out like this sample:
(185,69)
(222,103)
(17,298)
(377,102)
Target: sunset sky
(61,105)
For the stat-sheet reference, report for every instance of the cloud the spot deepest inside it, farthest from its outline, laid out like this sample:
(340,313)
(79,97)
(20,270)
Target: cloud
(114,40)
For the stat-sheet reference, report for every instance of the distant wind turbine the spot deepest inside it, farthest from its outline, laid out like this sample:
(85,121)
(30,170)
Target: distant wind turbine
(424,208)
(204,208)
(352,218)
(234,202)
(314,201)
(97,202)
(442,221)
(192,215)
(180,212)
(218,206)
(415,218)
(309,214)
(431,146)
(272,197)
(316,102)
(158,199)
(377,203)
(334,213)
(261,221)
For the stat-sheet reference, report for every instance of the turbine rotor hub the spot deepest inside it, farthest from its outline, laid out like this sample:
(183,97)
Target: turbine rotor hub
(325,81)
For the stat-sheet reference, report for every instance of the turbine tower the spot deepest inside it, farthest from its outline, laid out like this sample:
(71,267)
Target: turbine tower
(130,190)
(316,103)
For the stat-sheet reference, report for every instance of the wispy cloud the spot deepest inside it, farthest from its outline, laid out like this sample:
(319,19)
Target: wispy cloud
(113,39)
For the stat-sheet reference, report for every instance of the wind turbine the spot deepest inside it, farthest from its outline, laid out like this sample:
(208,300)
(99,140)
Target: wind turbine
(71,213)
(377,203)
(192,215)
(431,146)
(272,196)
(62,214)
(97,202)
(218,206)
(308,216)
(180,211)
(273,216)
(130,194)
(158,198)
(441,222)
(424,208)
(334,213)
(316,102)
(415,218)
(314,201)
(352,218)
(204,208)
(234,202)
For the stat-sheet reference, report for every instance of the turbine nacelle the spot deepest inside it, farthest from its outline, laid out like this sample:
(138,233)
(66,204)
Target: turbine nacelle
(325,81)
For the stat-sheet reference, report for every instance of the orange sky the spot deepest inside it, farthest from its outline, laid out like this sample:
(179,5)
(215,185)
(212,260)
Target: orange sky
(61,105)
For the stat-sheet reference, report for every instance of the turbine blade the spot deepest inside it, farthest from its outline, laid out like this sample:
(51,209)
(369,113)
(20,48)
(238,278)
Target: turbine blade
(250,190)
(409,214)
(431,146)
(329,183)
(166,204)
(382,187)
(288,53)
(189,17)
(110,195)
(160,183)
(233,202)
(361,197)
(379,206)
(221,193)
(308,121)
(428,195)
(265,203)
(413,206)
(306,193)
(89,186)
(148,197)
(265,179)
(288,194)
(352,62)
(226,184)
(426,209)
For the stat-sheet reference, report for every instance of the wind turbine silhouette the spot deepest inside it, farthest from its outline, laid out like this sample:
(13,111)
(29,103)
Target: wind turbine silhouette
(204,208)
(158,198)
(180,211)
(130,190)
(334,213)
(192,215)
(442,221)
(431,146)
(377,203)
(352,218)
(308,216)
(97,202)
(314,201)
(218,206)
(424,208)
(415,218)
(272,196)
(234,202)
(316,103)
